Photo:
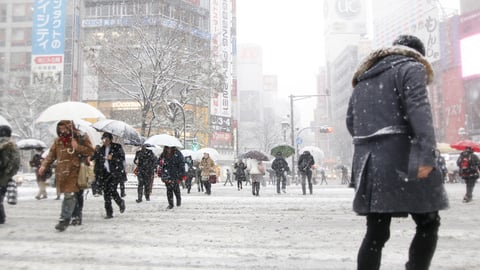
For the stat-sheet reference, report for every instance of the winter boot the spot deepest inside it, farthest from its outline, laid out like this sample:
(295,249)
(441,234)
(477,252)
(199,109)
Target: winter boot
(77,220)
(122,206)
(62,225)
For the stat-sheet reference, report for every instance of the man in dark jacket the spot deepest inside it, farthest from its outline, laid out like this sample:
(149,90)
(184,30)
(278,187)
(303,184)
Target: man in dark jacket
(9,164)
(112,156)
(305,163)
(172,167)
(146,163)
(280,166)
(390,120)
(468,164)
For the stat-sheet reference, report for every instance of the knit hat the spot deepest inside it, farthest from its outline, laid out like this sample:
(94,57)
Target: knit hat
(410,41)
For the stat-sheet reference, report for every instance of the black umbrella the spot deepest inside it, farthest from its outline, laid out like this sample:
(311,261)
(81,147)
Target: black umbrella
(255,154)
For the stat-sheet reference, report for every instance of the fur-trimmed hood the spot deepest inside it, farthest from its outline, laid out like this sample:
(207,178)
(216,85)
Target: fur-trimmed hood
(373,64)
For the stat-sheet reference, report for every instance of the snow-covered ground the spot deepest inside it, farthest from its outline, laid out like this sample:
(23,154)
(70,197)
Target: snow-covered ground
(230,229)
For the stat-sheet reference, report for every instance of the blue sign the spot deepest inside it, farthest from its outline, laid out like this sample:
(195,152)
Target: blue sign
(48,31)
(299,140)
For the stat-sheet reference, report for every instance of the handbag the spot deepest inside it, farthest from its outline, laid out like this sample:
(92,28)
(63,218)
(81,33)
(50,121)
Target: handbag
(212,179)
(83,173)
(12,192)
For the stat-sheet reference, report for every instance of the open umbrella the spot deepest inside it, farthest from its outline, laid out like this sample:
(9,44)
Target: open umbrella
(284,149)
(316,152)
(462,145)
(69,110)
(255,154)
(30,144)
(85,127)
(164,140)
(118,128)
(213,153)
(187,152)
(4,122)
(445,148)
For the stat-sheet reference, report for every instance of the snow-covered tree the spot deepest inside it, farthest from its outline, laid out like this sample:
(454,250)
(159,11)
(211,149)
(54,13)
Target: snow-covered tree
(153,64)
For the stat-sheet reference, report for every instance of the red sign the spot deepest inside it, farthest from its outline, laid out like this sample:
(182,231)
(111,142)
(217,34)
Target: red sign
(52,59)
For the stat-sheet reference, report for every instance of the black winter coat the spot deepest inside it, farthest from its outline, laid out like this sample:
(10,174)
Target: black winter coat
(389,118)
(172,167)
(146,162)
(116,165)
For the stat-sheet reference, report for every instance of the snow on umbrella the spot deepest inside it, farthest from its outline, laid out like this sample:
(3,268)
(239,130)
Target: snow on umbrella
(316,152)
(164,140)
(284,149)
(187,152)
(118,128)
(4,122)
(462,145)
(211,152)
(30,144)
(85,127)
(69,110)
(255,154)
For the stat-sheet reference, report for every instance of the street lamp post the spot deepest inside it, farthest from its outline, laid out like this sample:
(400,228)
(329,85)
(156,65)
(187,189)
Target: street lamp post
(293,137)
(285,126)
(172,104)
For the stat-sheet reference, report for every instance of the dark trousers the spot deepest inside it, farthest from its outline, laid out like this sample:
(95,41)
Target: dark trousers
(188,183)
(307,175)
(173,188)
(97,186)
(3,191)
(239,183)
(208,186)
(255,188)
(422,246)
(110,192)
(77,211)
(283,179)
(470,183)
(143,186)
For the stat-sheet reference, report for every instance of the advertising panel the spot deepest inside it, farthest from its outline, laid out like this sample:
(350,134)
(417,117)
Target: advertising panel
(469,33)
(48,41)
(221,103)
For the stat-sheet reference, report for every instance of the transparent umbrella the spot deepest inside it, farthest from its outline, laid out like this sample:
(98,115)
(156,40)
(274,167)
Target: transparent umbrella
(164,140)
(118,128)
(30,144)
(69,110)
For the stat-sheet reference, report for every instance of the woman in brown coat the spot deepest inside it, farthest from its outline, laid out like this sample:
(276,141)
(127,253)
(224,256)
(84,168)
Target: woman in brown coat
(207,165)
(68,149)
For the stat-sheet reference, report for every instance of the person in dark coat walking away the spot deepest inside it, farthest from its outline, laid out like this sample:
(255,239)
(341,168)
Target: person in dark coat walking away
(68,149)
(280,166)
(468,164)
(191,172)
(390,120)
(98,160)
(112,157)
(172,167)
(146,164)
(240,175)
(36,162)
(228,179)
(9,164)
(305,163)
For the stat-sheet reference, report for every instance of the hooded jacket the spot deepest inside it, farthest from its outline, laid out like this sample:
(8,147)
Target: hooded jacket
(68,159)
(389,118)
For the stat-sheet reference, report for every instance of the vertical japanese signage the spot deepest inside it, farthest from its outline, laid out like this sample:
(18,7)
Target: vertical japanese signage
(221,103)
(48,41)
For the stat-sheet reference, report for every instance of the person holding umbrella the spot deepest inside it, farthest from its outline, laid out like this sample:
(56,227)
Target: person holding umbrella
(280,166)
(68,149)
(146,162)
(468,164)
(172,170)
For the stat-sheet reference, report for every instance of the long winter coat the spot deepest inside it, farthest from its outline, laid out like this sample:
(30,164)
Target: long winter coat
(172,166)
(116,164)
(207,165)
(389,118)
(9,162)
(146,163)
(68,161)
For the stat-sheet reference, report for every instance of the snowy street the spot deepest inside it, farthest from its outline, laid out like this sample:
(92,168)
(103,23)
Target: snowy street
(230,229)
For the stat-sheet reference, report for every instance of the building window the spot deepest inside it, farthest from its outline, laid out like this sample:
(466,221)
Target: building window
(22,12)
(20,61)
(3,13)
(21,36)
(2,37)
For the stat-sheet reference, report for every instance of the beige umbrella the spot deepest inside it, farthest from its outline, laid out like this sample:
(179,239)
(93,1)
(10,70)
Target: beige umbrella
(445,148)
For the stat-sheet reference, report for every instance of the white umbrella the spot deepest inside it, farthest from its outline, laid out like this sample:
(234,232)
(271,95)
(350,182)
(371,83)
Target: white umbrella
(84,127)
(211,152)
(187,152)
(164,140)
(316,152)
(29,144)
(118,128)
(69,110)
(4,122)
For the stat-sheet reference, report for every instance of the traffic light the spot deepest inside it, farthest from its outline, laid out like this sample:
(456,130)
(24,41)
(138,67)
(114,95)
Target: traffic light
(195,145)
(326,129)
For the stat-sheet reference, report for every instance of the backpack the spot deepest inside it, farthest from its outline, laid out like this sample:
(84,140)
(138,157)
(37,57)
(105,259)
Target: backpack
(467,168)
